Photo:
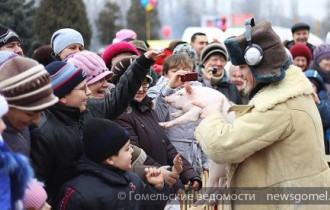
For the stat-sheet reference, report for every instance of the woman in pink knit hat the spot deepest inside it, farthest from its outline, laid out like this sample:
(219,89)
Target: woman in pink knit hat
(97,72)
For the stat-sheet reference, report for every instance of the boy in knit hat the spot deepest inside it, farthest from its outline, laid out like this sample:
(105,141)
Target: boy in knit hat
(66,41)
(59,144)
(26,86)
(10,41)
(103,178)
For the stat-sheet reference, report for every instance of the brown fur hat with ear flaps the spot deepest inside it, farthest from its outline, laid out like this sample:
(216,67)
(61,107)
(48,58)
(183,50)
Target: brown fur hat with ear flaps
(275,60)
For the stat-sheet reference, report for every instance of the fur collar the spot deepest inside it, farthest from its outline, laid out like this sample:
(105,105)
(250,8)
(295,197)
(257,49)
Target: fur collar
(293,85)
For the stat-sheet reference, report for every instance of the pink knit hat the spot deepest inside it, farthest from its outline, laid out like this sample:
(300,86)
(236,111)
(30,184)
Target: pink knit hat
(35,195)
(92,64)
(125,33)
(114,49)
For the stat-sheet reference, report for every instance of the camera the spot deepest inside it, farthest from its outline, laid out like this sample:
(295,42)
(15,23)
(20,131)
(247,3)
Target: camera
(191,76)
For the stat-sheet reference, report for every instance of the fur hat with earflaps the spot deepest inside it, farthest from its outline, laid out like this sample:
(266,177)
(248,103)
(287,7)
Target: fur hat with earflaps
(275,60)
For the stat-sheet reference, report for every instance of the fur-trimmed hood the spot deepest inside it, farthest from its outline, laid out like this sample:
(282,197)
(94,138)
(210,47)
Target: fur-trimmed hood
(293,85)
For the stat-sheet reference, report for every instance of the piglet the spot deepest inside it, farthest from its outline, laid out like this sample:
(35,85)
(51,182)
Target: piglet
(182,100)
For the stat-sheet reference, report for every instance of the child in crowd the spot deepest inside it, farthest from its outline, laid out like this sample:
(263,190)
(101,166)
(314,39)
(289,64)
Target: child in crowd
(104,179)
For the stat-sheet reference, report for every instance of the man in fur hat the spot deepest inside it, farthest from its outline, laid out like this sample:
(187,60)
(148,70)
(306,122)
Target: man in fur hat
(276,141)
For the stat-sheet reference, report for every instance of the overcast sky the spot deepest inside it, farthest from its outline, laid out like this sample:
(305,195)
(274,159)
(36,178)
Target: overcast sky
(315,8)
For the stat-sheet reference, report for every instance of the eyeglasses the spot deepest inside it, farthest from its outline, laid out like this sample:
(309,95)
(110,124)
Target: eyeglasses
(5,37)
(145,84)
(84,88)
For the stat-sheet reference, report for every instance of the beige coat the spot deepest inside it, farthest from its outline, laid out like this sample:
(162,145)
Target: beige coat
(275,141)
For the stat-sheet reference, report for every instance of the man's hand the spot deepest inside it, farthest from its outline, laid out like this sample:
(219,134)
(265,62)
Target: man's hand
(210,108)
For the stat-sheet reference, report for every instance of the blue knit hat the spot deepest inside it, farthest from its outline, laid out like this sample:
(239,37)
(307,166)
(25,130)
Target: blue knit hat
(64,77)
(63,38)
(103,138)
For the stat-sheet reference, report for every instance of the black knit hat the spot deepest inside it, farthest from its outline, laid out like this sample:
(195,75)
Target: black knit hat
(7,35)
(299,26)
(103,138)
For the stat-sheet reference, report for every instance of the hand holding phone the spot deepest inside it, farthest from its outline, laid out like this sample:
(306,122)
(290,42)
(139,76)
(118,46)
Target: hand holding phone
(190,76)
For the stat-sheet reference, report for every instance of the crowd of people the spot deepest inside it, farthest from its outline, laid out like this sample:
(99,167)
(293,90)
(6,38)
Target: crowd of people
(79,129)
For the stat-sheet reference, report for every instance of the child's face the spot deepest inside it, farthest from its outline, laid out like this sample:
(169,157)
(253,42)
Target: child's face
(172,71)
(124,158)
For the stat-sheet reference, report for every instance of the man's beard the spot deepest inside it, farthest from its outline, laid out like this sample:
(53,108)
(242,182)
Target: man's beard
(246,90)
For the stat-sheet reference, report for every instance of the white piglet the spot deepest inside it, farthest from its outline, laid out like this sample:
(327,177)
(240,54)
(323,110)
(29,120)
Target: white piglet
(182,100)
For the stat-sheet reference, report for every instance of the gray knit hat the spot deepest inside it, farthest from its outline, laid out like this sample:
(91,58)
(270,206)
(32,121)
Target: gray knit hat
(275,60)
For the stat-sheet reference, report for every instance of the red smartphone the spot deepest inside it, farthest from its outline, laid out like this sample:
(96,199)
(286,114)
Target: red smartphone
(191,76)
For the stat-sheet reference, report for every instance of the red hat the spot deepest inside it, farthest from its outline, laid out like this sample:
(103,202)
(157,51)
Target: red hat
(114,49)
(301,50)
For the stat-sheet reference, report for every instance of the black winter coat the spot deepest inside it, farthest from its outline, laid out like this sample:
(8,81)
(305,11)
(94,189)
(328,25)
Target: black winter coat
(229,89)
(57,143)
(101,187)
(145,132)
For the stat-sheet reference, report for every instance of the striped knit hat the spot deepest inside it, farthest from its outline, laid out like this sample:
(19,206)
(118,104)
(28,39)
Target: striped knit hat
(64,77)
(26,85)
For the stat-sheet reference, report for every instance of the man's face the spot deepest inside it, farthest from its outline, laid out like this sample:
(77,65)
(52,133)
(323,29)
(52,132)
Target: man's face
(236,77)
(249,81)
(217,61)
(300,36)
(14,47)
(199,43)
